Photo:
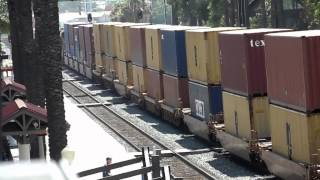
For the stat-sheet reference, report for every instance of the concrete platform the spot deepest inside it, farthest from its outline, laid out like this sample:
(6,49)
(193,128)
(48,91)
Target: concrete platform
(92,144)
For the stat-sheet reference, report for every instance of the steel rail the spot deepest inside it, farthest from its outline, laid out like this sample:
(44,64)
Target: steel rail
(185,160)
(102,121)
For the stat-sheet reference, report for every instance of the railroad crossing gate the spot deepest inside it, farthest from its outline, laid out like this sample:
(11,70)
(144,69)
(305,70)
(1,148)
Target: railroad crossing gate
(23,119)
(11,90)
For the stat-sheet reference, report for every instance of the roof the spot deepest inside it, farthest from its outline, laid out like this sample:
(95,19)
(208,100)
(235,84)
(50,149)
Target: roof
(157,26)
(16,106)
(8,82)
(216,29)
(131,24)
(86,25)
(307,33)
(183,28)
(255,31)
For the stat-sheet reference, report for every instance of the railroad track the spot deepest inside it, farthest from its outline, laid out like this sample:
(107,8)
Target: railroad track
(130,133)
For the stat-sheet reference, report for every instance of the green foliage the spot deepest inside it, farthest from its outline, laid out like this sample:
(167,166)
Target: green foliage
(312,13)
(128,10)
(216,12)
(4,17)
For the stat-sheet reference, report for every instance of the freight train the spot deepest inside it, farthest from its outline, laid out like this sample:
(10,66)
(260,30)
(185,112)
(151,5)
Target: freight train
(253,90)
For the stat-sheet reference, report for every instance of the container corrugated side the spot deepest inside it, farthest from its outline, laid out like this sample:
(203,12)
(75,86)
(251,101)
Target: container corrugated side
(82,44)
(66,38)
(88,39)
(139,81)
(205,100)
(137,45)
(154,84)
(176,91)
(153,47)
(237,115)
(124,72)
(96,38)
(203,55)
(295,135)
(243,71)
(293,69)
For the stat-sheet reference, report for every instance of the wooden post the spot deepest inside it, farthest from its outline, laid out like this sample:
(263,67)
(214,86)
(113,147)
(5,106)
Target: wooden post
(166,173)
(146,162)
(155,166)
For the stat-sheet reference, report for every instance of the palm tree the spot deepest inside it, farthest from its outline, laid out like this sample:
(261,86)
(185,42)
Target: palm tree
(50,52)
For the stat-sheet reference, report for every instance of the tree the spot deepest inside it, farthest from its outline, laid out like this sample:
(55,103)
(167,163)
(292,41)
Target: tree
(311,15)
(50,52)
(4,18)
(129,11)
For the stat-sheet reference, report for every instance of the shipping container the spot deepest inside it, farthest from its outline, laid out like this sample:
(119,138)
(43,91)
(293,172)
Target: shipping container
(293,69)
(202,47)
(122,40)
(153,46)
(76,43)
(71,37)
(82,44)
(154,84)
(89,45)
(124,72)
(139,81)
(109,68)
(173,46)
(137,46)
(71,41)
(243,71)
(175,91)
(205,100)
(97,37)
(237,118)
(66,39)
(295,135)
(109,37)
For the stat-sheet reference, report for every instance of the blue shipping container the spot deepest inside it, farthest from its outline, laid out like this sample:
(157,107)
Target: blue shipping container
(66,38)
(205,100)
(173,47)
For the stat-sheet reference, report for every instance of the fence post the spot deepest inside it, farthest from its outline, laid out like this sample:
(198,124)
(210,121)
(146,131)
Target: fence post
(155,166)
(166,173)
(146,162)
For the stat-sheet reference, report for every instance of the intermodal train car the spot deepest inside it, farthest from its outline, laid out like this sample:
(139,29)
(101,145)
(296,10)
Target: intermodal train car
(254,90)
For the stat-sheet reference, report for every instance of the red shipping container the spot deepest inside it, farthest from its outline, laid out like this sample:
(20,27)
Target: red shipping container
(242,61)
(137,46)
(175,91)
(293,69)
(154,84)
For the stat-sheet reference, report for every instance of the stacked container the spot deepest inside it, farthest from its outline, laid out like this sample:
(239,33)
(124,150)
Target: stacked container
(89,52)
(137,46)
(82,50)
(66,43)
(109,51)
(154,70)
(204,72)
(123,61)
(70,42)
(76,48)
(292,77)
(98,46)
(174,65)
(244,84)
